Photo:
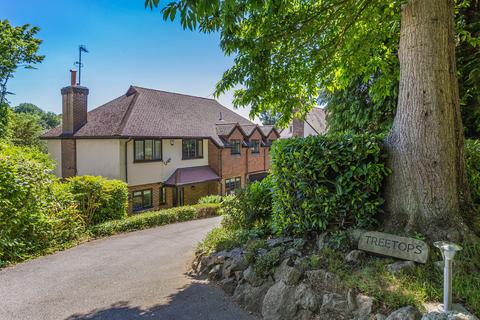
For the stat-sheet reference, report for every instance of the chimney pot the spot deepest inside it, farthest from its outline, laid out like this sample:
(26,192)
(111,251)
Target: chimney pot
(73,77)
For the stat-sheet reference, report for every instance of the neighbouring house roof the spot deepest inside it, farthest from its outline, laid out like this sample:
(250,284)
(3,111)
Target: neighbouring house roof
(317,119)
(266,130)
(145,112)
(191,175)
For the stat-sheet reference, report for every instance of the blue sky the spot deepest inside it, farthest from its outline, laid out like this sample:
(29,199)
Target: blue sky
(128,45)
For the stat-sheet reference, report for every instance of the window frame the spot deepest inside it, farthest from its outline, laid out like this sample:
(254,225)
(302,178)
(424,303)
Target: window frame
(256,146)
(135,160)
(144,207)
(234,142)
(163,195)
(198,146)
(237,184)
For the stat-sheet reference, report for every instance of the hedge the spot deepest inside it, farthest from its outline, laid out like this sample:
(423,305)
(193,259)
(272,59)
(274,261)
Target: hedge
(153,219)
(327,181)
(35,212)
(99,199)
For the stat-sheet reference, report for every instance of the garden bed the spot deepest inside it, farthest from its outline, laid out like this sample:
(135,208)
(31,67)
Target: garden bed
(327,278)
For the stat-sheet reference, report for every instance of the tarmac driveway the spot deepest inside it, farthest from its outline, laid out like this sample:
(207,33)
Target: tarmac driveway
(138,275)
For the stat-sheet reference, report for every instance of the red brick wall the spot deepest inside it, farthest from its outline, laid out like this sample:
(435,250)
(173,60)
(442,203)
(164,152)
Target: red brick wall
(234,165)
(214,158)
(69,157)
(256,161)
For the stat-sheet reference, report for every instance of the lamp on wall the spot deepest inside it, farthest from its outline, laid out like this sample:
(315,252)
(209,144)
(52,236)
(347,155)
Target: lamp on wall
(172,142)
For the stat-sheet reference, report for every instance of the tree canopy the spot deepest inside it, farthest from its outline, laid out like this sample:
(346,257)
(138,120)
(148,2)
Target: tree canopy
(18,48)
(289,53)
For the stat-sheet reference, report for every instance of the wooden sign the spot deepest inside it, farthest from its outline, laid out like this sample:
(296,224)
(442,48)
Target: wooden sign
(394,246)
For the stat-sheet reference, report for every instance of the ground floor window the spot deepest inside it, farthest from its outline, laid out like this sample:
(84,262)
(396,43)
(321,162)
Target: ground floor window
(163,195)
(232,184)
(181,196)
(142,199)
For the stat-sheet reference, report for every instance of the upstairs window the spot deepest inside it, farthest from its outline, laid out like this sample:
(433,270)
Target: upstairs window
(235,146)
(255,146)
(148,150)
(192,149)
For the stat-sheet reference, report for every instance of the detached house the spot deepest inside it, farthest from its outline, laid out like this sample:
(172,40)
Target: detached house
(171,149)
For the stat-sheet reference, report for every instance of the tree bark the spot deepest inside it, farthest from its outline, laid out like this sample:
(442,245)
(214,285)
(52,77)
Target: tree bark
(428,190)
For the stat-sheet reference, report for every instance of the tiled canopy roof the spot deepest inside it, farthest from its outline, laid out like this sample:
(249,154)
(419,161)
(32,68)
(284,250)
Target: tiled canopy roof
(145,112)
(183,176)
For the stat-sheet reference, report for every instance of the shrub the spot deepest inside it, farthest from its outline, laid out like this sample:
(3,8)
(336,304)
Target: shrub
(213,198)
(221,238)
(99,199)
(326,181)
(472,158)
(207,210)
(35,212)
(250,207)
(148,220)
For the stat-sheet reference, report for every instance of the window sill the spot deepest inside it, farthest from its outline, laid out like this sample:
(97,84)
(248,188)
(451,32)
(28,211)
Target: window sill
(195,158)
(146,161)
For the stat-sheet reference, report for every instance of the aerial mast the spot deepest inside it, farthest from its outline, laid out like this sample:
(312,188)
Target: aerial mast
(81,48)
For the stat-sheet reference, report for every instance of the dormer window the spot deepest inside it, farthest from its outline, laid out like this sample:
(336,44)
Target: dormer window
(255,146)
(235,146)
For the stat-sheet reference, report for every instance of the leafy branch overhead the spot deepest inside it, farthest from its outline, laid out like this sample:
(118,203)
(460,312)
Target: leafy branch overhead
(18,48)
(286,51)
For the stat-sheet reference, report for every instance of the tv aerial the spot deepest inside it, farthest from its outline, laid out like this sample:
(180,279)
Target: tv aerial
(81,48)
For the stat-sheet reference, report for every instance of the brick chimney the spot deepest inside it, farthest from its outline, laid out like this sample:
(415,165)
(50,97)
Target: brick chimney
(298,128)
(74,116)
(74,106)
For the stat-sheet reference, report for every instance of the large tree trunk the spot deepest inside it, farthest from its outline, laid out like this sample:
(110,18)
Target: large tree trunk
(428,190)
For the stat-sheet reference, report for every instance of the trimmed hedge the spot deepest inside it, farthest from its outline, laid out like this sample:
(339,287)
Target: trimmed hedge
(99,199)
(327,181)
(153,219)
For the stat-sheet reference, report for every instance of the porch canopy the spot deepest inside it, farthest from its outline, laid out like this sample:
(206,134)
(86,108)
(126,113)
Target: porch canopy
(191,175)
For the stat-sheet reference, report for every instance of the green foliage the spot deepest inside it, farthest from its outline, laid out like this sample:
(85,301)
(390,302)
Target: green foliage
(423,284)
(35,214)
(327,181)
(250,207)
(5,119)
(213,198)
(265,263)
(221,238)
(252,247)
(148,220)
(472,159)
(25,130)
(287,51)
(47,120)
(18,48)
(99,199)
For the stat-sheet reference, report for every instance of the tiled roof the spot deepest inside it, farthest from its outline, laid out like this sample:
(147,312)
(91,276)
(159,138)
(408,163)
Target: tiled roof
(317,119)
(266,130)
(183,176)
(145,112)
